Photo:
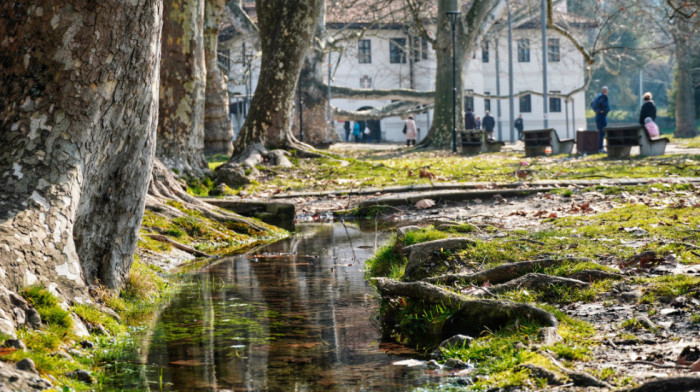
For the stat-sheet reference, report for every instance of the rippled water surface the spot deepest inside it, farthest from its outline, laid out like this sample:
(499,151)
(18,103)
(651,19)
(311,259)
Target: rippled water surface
(294,316)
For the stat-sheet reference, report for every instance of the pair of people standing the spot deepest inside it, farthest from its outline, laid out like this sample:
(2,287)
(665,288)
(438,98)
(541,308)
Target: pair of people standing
(471,122)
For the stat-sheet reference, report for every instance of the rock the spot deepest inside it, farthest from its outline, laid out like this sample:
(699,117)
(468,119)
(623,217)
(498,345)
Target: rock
(27,365)
(219,190)
(75,353)
(7,327)
(87,344)
(33,318)
(279,158)
(631,296)
(13,379)
(669,311)
(454,363)
(401,232)
(646,323)
(81,375)
(62,354)
(15,343)
(231,174)
(433,365)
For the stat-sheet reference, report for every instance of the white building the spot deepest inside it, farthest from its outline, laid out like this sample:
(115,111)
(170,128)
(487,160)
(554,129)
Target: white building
(387,56)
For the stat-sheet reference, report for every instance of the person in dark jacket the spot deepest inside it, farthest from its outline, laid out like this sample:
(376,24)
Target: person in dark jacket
(489,123)
(519,126)
(469,120)
(347,127)
(601,107)
(648,109)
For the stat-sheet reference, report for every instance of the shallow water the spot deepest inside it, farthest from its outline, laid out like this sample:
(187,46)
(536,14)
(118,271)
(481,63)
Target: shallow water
(296,315)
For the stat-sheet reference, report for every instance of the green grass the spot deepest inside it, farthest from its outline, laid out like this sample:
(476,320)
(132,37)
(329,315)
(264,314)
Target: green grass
(48,306)
(382,169)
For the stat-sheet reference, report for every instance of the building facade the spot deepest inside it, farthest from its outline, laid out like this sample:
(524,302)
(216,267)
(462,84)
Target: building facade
(388,56)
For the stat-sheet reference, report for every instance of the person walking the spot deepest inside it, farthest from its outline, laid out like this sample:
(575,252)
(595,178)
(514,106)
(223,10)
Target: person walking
(648,109)
(347,126)
(411,131)
(519,126)
(356,132)
(469,120)
(489,124)
(601,107)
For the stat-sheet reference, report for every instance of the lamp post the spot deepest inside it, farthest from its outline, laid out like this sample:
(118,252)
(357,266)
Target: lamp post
(453,16)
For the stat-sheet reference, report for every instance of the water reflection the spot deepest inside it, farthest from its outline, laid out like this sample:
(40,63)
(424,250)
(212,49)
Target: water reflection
(295,316)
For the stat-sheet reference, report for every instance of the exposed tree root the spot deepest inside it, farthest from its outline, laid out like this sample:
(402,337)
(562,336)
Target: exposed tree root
(594,275)
(178,245)
(479,314)
(671,384)
(540,372)
(535,281)
(164,188)
(580,379)
(426,252)
(499,274)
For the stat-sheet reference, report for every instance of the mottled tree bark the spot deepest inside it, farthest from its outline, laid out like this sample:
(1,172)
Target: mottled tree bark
(182,83)
(286,28)
(471,25)
(685,92)
(218,132)
(78,109)
(314,94)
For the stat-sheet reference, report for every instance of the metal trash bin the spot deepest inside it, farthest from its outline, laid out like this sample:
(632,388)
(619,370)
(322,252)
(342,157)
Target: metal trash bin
(587,142)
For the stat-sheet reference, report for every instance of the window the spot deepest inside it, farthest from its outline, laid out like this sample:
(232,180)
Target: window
(525,106)
(523,50)
(364,51)
(553,50)
(555,103)
(487,104)
(469,100)
(424,48)
(397,51)
(365,82)
(224,58)
(485,53)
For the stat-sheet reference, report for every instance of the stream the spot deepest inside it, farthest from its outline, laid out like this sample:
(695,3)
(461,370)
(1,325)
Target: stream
(296,315)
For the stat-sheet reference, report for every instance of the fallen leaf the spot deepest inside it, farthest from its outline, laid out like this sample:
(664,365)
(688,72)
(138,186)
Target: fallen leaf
(424,203)
(425,174)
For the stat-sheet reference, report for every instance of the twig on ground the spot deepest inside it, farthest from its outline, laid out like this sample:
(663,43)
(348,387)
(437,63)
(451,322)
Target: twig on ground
(657,365)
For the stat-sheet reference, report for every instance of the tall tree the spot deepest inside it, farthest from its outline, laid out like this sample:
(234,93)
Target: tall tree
(286,28)
(182,88)
(78,107)
(218,132)
(683,29)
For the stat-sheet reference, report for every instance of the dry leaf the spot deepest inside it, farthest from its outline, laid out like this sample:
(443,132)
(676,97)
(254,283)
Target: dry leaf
(424,203)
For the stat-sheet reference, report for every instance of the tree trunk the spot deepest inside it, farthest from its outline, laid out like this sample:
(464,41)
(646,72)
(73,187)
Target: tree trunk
(314,93)
(218,132)
(440,134)
(685,92)
(286,29)
(472,24)
(182,83)
(78,98)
